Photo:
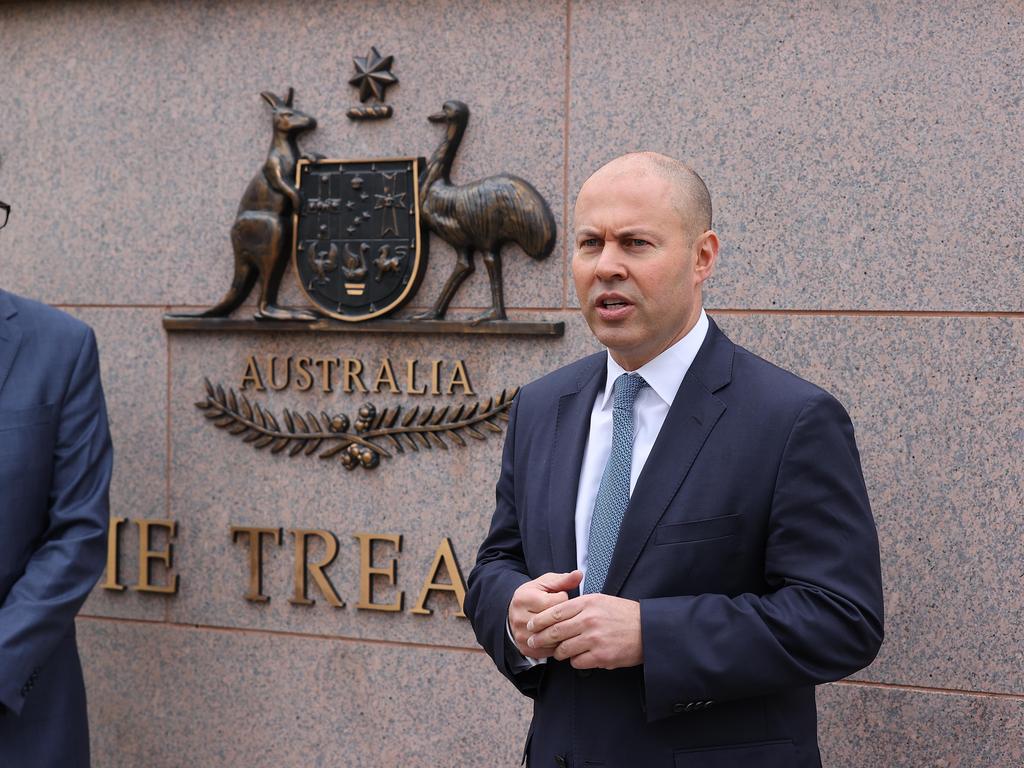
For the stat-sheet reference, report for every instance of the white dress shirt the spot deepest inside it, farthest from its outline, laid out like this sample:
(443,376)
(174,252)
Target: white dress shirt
(663,375)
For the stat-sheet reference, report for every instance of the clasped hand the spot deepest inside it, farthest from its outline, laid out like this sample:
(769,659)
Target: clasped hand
(592,631)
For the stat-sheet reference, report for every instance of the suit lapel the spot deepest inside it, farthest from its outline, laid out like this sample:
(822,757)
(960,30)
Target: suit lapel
(692,417)
(572,425)
(10,336)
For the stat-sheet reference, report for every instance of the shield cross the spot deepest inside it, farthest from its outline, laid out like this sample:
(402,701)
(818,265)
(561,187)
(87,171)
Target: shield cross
(359,251)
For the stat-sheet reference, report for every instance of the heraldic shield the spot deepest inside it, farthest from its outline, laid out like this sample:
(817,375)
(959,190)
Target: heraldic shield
(359,252)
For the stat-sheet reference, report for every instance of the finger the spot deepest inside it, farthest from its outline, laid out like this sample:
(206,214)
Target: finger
(556,613)
(570,648)
(585,660)
(519,619)
(533,597)
(535,653)
(560,582)
(555,634)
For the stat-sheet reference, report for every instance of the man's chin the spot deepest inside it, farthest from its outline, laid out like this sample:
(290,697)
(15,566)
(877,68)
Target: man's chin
(610,334)
(623,344)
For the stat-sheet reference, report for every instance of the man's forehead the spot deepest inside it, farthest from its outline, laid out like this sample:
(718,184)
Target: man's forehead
(648,179)
(621,191)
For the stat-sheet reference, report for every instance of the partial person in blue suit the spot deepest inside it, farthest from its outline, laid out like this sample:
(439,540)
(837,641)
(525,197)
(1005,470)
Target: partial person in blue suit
(55,464)
(682,545)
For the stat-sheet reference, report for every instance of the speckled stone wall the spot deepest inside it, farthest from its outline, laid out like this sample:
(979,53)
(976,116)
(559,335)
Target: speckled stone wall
(866,162)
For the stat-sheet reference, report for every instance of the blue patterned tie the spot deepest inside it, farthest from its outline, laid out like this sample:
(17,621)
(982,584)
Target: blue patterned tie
(613,493)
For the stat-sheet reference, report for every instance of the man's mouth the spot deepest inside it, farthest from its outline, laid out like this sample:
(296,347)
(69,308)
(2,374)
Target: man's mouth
(611,300)
(612,306)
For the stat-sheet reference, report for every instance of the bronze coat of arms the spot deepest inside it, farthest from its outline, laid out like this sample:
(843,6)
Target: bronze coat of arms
(358,247)
(357,233)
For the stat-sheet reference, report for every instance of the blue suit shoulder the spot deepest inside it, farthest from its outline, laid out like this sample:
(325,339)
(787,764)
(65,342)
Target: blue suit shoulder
(47,324)
(568,378)
(766,385)
(41,315)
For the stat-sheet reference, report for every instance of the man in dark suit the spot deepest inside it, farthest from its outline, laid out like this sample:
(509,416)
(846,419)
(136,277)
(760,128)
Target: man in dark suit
(682,546)
(55,463)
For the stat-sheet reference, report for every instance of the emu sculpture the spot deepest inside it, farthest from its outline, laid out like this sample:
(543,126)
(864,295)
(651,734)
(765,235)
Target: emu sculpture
(480,216)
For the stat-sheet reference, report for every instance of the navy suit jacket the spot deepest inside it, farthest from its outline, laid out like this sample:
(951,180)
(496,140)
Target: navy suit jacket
(748,541)
(55,463)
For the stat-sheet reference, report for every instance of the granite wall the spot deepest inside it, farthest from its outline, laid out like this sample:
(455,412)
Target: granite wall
(865,160)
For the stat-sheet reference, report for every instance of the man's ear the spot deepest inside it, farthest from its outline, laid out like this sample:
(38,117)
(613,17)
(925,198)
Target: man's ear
(706,247)
(706,255)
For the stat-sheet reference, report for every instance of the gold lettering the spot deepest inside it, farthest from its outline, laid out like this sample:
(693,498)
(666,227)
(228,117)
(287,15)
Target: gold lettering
(410,379)
(303,376)
(252,375)
(444,554)
(255,536)
(327,365)
(316,570)
(147,554)
(367,570)
(352,372)
(435,377)
(272,363)
(460,378)
(386,375)
(113,554)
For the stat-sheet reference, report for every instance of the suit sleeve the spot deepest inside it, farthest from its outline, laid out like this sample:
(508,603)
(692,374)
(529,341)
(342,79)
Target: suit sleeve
(40,608)
(499,571)
(821,618)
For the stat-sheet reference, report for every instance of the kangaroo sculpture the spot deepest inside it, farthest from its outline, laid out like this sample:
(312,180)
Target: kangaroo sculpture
(262,232)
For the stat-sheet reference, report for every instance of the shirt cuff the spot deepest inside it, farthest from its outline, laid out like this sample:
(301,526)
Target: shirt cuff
(520,662)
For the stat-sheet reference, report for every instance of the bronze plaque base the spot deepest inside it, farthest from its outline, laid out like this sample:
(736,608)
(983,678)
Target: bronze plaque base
(491,327)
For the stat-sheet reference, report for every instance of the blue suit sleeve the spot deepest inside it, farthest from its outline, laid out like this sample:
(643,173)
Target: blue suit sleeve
(821,619)
(40,608)
(499,571)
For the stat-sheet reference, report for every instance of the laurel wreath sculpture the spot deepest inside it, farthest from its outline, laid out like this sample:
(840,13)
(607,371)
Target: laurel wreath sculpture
(373,430)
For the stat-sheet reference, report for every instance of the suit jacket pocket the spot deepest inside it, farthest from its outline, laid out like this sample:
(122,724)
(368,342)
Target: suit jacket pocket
(763,754)
(26,417)
(697,530)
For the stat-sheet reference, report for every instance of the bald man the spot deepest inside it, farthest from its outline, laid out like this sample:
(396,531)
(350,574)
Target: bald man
(682,545)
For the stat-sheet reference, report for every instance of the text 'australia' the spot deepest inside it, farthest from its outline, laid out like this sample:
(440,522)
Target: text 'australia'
(409,376)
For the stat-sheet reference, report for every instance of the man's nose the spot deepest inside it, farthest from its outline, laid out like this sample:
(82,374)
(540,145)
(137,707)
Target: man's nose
(611,264)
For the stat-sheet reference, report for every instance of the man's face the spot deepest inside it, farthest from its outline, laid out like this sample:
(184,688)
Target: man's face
(637,270)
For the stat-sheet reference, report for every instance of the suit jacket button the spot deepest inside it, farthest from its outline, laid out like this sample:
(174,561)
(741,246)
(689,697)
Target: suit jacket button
(678,708)
(707,704)
(560,761)
(691,706)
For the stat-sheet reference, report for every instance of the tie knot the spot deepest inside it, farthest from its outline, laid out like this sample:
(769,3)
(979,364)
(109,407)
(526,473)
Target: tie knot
(627,387)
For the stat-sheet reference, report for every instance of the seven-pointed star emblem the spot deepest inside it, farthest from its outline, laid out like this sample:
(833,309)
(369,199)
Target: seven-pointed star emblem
(374,74)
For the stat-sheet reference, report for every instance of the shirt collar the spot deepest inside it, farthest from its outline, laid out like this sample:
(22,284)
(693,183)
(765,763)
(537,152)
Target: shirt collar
(664,373)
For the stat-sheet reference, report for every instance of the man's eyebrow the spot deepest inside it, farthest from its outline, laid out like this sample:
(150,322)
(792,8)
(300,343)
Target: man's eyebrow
(631,232)
(622,234)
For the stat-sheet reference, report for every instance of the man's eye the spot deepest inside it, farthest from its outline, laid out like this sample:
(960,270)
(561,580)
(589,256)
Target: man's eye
(637,242)
(590,242)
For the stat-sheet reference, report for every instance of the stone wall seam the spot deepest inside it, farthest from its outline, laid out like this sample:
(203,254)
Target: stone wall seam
(928,690)
(262,632)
